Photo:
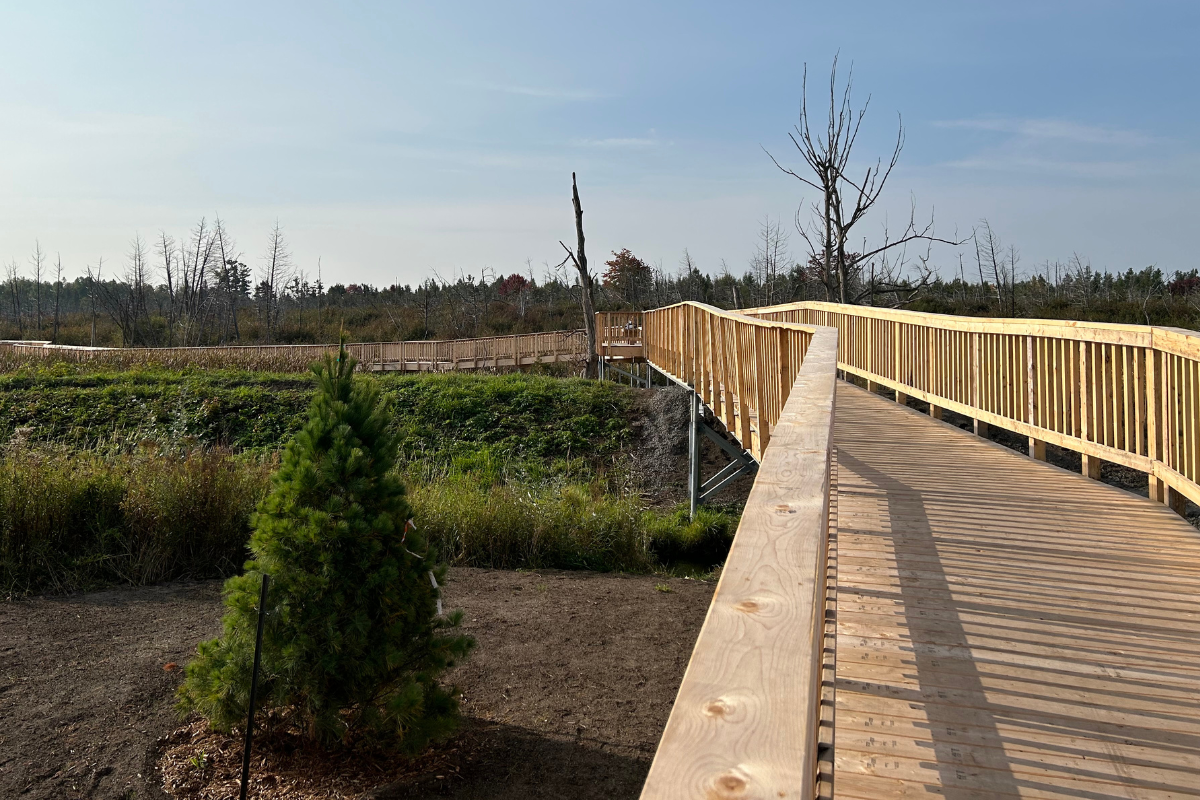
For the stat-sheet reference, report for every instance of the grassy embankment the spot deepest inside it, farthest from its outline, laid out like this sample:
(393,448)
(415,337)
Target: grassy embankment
(142,476)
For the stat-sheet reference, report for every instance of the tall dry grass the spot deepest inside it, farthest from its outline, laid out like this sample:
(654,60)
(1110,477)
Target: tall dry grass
(73,521)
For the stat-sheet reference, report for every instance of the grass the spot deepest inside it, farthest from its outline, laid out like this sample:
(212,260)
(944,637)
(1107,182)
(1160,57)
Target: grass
(440,417)
(78,521)
(149,475)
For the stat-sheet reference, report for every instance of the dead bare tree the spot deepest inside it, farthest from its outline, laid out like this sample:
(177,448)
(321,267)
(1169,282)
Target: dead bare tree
(196,262)
(578,257)
(845,201)
(93,290)
(770,259)
(58,270)
(276,269)
(229,277)
(137,281)
(38,259)
(990,253)
(124,300)
(165,247)
(13,272)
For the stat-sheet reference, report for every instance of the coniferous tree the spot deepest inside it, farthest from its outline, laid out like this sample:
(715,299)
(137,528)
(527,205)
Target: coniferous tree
(354,640)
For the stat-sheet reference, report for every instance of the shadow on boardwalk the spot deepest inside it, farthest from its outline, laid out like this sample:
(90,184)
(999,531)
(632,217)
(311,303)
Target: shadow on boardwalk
(1006,628)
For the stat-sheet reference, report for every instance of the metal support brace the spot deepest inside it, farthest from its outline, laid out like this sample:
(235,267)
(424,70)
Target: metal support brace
(633,378)
(741,462)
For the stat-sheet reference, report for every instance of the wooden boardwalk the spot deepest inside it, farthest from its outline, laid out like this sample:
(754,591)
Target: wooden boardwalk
(1005,628)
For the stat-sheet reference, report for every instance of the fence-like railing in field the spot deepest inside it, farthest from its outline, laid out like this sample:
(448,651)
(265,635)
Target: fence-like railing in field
(493,352)
(747,720)
(1127,394)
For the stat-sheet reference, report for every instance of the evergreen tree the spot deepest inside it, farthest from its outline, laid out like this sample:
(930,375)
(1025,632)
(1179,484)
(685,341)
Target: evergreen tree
(354,640)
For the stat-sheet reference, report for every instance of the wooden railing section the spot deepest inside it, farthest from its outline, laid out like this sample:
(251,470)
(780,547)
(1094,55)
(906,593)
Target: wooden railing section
(741,367)
(747,720)
(493,352)
(1128,394)
(619,335)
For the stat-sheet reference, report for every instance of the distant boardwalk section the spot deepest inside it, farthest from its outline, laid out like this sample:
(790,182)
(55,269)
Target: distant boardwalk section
(487,353)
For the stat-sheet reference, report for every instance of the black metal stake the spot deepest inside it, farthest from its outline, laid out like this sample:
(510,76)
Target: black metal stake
(262,605)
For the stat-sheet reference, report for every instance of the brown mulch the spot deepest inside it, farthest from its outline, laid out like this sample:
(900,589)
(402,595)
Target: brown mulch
(565,696)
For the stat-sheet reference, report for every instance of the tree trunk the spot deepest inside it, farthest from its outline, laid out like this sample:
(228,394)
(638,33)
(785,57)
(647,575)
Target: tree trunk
(585,283)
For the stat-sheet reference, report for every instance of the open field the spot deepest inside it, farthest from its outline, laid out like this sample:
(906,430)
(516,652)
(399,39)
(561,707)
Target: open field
(565,696)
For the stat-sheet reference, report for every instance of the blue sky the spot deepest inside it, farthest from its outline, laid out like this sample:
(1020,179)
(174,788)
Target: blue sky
(393,140)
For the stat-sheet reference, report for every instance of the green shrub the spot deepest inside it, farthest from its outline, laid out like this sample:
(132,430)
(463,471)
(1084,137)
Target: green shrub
(475,523)
(70,522)
(691,545)
(123,477)
(354,639)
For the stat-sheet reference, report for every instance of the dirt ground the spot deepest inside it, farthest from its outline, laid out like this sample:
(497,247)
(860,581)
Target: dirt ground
(660,458)
(566,694)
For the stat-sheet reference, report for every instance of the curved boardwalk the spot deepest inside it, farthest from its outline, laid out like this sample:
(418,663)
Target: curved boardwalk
(1005,628)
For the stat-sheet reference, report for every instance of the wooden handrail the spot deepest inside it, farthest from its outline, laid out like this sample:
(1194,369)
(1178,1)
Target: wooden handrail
(746,721)
(741,367)
(1128,394)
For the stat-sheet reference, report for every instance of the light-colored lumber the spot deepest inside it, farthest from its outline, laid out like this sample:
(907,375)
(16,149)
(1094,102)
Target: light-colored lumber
(746,720)
(1127,394)
(1035,635)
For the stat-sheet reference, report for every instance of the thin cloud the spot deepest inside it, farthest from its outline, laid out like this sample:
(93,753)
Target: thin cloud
(618,142)
(1053,129)
(533,91)
(1043,166)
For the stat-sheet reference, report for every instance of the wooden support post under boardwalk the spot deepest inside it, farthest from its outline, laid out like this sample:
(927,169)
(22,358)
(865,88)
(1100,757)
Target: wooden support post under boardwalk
(902,398)
(981,429)
(872,386)
(1037,449)
(935,411)
(1176,501)
(1091,467)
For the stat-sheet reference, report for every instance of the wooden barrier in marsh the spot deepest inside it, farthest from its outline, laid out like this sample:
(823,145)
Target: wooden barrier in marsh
(486,353)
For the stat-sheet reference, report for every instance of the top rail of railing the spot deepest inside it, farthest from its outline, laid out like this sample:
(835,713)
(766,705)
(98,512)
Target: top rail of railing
(1127,394)
(747,720)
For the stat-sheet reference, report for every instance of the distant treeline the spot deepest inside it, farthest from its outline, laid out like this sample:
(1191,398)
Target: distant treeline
(197,293)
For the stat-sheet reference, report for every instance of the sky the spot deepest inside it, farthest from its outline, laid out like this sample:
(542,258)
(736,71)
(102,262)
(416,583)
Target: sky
(398,141)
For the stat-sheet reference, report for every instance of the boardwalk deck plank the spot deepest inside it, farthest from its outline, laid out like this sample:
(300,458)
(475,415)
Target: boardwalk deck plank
(1005,628)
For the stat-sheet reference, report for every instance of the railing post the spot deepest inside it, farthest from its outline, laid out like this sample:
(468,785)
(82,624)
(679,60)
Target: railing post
(694,455)
(1090,465)
(1037,447)
(981,427)
(785,367)
(1153,446)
